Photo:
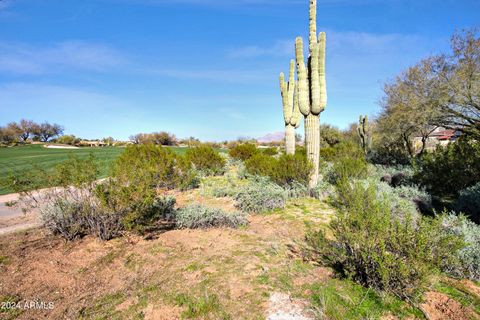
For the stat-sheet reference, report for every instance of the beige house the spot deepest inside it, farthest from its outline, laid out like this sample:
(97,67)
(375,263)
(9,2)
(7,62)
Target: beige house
(440,136)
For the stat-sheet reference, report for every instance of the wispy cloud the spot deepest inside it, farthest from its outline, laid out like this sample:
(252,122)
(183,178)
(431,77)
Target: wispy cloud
(360,42)
(29,60)
(220,75)
(232,113)
(278,48)
(4,4)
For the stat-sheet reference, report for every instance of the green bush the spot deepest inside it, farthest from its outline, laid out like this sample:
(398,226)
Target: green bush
(469,256)
(292,168)
(146,168)
(206,159)
(261,165)
(271,151)
(197,216)
(469,202)
(448,170)
(348,168)
(243,151)
(260,195)
(285,171)
(376,249)
(348,163)
(141,216)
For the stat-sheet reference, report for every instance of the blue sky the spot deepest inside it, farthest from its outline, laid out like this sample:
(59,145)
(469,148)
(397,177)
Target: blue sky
(203,68)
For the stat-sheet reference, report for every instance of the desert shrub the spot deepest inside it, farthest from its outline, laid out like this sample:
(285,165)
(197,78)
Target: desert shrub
(143,215)
(448,170)
(206,159)
(469,256)
(104,223)
(348,163)
(225,186)
(348,168)
(296,190)
(198,216)
(143,169)
(327,153)
(300,150)
(399,175)
(323,190)
(243,151)
(146,168)
(292,168)
(376,249)
(400,206)
(82,205)
(65,218)
(390,153)
(260,195)
(261,165)
(468,202)
(271,151)
(285,171)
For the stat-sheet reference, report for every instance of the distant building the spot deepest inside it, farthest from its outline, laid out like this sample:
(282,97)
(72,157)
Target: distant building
(440,136)
(92,143)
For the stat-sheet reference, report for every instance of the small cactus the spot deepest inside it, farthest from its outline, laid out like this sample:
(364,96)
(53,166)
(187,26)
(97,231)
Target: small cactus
(364,134)
(291,113)
(312,89)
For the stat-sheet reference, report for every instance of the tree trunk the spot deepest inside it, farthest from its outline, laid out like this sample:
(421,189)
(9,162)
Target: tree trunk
(312,140)
(289,139)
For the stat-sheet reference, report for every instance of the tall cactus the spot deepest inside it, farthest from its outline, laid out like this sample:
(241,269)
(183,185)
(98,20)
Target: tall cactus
(312,89)
(365,134)
(291,113)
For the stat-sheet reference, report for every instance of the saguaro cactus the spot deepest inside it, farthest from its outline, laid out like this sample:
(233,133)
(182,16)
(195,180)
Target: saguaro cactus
(291,113)
(364,134)
(312,89)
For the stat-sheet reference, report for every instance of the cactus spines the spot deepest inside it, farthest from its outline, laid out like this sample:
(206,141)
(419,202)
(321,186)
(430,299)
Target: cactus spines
(291,114)
(312,89)
(364,134)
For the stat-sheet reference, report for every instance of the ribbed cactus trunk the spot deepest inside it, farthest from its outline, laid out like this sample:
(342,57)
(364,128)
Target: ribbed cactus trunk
(312,131)
(312,90)
(291,114)
(289,139)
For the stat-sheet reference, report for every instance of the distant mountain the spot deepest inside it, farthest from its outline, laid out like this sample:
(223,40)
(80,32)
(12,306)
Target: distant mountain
(272,137)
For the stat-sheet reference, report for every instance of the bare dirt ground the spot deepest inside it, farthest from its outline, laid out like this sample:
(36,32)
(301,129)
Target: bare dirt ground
(214,274)
(253,272)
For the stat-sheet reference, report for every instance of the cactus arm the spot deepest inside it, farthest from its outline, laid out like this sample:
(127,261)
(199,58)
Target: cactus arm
(295,121)
(312,36)
(322,43)
(302,81)
(287,110)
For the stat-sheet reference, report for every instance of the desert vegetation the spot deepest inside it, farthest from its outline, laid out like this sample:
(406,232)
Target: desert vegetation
(373,222)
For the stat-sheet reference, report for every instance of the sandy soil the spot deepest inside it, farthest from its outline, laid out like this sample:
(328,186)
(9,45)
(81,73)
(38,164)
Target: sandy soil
(254,272)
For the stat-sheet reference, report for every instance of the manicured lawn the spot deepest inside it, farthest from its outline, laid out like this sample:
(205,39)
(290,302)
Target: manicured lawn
(20,159)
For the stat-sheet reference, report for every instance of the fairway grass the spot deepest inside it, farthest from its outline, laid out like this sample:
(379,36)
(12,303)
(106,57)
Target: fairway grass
(18,160)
